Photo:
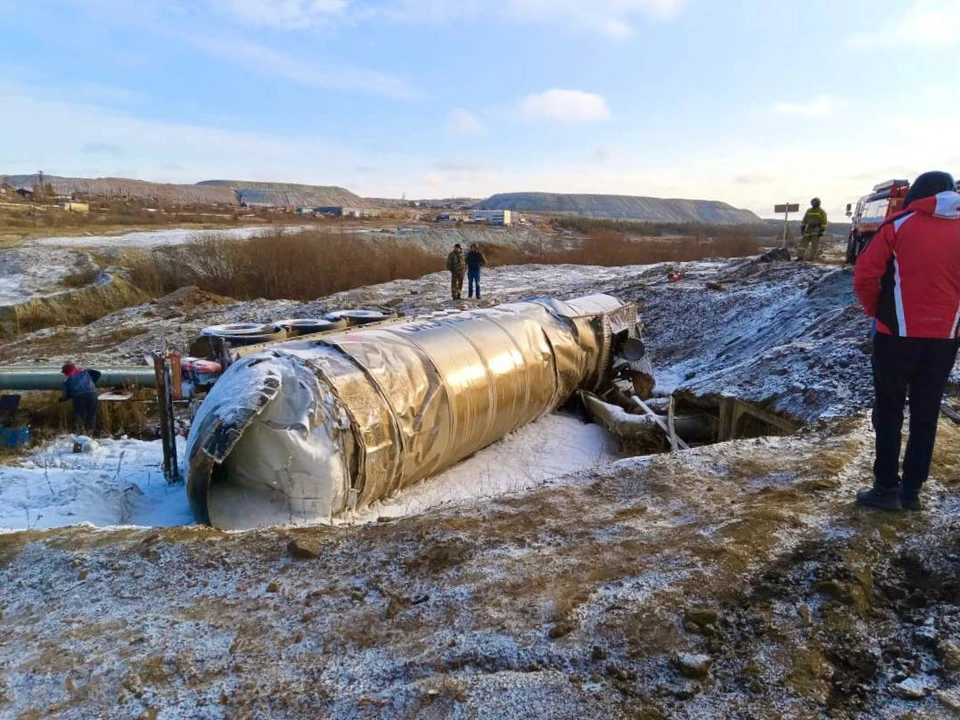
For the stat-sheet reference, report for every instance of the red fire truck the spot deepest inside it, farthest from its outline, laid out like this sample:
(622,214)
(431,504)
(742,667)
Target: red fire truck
(885,200)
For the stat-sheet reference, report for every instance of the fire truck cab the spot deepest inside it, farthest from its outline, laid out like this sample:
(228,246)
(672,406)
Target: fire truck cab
(871,210)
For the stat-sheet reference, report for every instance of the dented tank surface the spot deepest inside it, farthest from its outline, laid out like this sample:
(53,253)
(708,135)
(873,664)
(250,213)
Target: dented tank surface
(306,430)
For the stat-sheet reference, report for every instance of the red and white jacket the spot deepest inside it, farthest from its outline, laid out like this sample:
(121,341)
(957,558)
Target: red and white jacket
(908,277)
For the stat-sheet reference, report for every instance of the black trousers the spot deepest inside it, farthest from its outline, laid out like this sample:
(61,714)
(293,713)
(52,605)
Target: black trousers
(920,367)
(85,408)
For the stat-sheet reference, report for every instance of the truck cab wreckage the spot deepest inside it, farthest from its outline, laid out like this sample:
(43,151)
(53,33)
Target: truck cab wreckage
(306,430)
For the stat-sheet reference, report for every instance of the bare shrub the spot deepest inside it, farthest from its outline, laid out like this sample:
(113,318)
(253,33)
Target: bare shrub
(608,247)
(647,228)
(294,266)
(49,418)
(313,264)
(81,278)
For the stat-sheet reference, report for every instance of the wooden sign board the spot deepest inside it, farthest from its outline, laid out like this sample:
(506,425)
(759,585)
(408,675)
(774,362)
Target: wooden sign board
(786,208)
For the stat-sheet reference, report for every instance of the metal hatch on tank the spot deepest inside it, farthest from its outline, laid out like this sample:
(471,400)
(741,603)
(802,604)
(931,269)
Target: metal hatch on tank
(306,430)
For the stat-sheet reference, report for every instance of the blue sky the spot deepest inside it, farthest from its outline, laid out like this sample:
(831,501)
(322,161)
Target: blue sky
(749,101)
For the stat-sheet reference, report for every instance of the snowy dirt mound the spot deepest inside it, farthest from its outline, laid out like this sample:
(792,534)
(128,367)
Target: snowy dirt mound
(791,338)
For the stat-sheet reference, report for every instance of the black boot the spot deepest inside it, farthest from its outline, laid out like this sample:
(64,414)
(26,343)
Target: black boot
(879,498)
(910,499)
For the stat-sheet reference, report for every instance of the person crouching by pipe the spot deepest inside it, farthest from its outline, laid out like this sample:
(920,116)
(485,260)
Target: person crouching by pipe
(80,386)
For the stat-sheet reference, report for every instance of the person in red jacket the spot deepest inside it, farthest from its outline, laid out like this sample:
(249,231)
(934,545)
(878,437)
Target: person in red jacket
(908,281)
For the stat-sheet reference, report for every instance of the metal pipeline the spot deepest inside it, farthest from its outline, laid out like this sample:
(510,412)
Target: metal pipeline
(309,429)
(49,378)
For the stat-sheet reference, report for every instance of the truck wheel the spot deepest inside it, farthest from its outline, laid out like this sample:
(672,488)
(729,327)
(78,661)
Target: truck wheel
(308,326)
(355,318)
(241,334)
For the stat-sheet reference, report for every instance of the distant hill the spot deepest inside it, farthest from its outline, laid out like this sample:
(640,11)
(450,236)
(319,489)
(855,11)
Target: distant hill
(126,188)
(279,194)
(208,192)
(621,207)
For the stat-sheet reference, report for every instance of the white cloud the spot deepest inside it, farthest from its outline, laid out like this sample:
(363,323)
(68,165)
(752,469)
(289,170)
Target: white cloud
(566,106)
(264,60)
(178,152)
(461,179)
(615,18)
(281,14)
(464,122)
(822,107)
(924,24)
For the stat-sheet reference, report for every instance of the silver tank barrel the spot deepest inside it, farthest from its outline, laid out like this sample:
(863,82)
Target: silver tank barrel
(305,431)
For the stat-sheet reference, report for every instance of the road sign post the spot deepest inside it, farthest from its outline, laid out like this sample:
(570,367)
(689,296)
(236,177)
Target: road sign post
(786,210)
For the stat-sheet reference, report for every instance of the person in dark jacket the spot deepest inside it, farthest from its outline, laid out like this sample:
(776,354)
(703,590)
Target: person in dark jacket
(475,261)
(457,267)
(80,386)
(908,281)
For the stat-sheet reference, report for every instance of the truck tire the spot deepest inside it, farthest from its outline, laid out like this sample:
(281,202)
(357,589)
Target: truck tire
(241,334)
(296,327)
(355,318)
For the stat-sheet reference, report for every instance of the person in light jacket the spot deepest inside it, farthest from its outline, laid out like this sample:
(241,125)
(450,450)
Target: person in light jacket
(80,386)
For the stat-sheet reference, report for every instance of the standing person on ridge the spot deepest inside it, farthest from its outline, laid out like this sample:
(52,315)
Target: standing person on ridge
(475,261)
(812,227)
(457,267)
(80,386)
(908,281)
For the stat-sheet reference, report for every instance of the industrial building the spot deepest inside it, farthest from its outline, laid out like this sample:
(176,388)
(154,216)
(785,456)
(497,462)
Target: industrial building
(348,212)
(74,207)
(495,217)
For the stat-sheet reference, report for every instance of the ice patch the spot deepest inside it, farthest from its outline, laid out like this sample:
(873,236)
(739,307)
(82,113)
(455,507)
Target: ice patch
(157,238)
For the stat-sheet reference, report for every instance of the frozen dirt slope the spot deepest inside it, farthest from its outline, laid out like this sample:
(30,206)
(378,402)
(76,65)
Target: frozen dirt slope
(735,580)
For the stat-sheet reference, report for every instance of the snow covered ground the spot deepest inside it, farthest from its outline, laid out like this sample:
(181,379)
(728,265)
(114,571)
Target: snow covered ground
(120,482)
(554,446)
(157,238)
(733,580)
(111,483)
(27,272)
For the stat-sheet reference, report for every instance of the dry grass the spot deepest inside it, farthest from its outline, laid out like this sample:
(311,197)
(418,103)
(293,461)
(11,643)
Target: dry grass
(611,249)
(81,278)
(301,266)
(308,265)
(75,308)
(662,229)
(50,418)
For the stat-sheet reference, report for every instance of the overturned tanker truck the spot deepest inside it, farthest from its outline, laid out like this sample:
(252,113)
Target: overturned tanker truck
(306,430)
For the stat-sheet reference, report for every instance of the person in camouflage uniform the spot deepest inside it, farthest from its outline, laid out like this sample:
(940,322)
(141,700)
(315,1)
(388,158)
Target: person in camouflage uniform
(813,226)
(457,265)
